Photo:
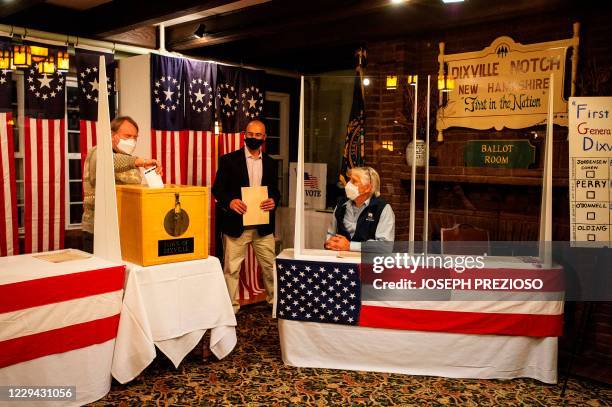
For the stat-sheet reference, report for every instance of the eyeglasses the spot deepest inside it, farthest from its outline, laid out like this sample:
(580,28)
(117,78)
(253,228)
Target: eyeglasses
(256,135)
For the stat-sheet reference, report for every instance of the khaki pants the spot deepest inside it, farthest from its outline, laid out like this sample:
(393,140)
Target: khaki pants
(235,248)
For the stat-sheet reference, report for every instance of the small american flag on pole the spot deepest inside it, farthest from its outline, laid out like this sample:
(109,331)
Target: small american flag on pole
(310,181)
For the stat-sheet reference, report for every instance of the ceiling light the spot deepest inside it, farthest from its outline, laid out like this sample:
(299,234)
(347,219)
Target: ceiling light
(39,54)
(63,61)
(397,1)
(366,81)
(446,83)
(200,32)
(22,58)
(452,1)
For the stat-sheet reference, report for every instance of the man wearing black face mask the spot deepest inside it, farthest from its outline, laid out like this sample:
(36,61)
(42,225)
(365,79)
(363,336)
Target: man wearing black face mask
(243,168)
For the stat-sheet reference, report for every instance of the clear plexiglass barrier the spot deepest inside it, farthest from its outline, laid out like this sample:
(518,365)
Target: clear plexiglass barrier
(478,145)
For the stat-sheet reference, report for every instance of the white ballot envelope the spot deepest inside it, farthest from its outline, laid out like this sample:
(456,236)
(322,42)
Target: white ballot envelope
(154,180)
(253,197)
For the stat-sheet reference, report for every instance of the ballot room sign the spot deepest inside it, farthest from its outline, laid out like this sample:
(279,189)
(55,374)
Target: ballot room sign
(590,169)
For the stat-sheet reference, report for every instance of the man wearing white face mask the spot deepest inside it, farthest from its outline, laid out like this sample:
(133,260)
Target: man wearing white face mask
(362,215)
(124,131)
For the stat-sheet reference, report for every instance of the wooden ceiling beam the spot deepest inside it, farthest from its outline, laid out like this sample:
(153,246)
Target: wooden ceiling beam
(180,39)
(8,8)
(120,16)
(349,25)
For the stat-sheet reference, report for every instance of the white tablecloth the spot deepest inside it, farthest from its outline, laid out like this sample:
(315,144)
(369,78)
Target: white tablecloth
(171,306)
(315,345)
(87,368)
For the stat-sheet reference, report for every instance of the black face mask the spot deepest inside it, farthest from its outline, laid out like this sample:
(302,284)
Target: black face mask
(253,143)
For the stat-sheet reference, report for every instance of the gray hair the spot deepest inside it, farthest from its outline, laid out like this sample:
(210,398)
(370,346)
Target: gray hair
(369,174)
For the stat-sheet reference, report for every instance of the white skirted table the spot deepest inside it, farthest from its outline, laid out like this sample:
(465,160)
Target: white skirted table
(417,352)
(171,306)
(58,322)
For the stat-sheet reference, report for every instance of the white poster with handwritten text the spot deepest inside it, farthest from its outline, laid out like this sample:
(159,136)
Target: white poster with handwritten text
(590,169)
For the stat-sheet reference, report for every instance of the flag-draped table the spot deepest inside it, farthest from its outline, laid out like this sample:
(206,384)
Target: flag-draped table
(171,306)
(440,338)
(58,323)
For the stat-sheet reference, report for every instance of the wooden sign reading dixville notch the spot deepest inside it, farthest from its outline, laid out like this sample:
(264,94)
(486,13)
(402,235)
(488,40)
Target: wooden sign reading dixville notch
(499,153)
(505,85)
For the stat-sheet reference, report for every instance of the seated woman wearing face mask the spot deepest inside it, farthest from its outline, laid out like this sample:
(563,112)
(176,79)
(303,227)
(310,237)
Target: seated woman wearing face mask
(124,131)
(362,215)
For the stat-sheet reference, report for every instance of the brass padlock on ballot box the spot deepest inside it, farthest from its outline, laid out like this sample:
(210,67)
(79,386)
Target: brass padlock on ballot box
(162,225)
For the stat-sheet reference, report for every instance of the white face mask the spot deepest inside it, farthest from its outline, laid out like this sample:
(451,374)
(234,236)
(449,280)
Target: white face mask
(351,190)
(126,146)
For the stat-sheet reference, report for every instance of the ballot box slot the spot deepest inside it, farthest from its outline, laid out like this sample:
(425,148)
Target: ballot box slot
(176,220)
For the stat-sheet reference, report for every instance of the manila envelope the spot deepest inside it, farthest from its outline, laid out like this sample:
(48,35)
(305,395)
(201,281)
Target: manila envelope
(253,197)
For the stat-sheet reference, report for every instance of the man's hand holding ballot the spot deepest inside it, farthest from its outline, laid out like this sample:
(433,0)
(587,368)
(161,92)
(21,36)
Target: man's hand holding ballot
(238,206)
(253,199)
(267,204)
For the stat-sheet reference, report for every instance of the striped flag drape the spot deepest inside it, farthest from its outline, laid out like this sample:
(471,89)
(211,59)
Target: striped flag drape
(9,243)
(168,135)
(229,142)
(45,158)
(201,170)
(87,78)
(45,155)
(200,82)
(88,130)
(240,100)
(185,99)
(168,147)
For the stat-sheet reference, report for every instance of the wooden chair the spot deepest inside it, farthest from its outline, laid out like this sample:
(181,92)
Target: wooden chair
(463,232)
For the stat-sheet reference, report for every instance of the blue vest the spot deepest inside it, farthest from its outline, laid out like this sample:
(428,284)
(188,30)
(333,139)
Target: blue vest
(366,223)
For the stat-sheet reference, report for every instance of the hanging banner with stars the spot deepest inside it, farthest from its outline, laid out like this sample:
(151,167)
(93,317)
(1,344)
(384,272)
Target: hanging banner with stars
(45,159)
(240,97)
(168,143)
(167,96)
(240,94)
(7,89)
(44,93)
(228,82)
(87,76)
(200,84)
(251,99)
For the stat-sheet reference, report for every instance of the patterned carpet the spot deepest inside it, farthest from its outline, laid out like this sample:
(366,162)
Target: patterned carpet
(254,375)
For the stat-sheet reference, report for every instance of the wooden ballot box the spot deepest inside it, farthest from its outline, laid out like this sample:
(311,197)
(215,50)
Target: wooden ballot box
(162,225)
